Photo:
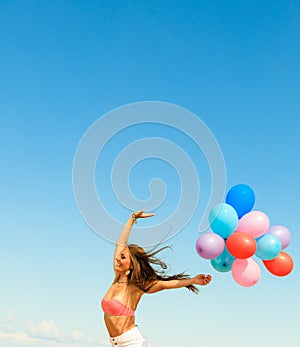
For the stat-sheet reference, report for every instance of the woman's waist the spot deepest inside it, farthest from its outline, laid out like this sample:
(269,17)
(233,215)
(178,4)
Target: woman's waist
(128,337)
(117,325)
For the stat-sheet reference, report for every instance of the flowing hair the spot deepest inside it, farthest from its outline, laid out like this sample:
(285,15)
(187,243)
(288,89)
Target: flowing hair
(147,269)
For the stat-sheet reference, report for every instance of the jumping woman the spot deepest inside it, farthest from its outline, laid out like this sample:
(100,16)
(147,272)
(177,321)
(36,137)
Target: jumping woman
(134,277)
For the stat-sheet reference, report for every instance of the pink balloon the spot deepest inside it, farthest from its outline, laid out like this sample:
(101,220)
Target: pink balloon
(255,223)
(246,272)
(282,233)
(210,245)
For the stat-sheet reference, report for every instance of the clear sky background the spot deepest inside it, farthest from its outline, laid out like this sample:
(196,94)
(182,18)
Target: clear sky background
(64,64)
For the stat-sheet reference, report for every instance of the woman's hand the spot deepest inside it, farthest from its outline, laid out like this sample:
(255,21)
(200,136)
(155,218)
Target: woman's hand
(202,279)
(142,214)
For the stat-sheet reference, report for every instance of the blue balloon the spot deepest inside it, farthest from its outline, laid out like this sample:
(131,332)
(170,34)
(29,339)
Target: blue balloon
(268,247)
(223,262)
(223,219)
(242,198)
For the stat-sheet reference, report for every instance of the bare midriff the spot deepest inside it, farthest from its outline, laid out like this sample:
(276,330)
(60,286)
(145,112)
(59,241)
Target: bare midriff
(117,325)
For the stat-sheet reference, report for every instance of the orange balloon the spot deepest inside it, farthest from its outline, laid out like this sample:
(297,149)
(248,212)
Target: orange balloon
(241,245)
(282,265)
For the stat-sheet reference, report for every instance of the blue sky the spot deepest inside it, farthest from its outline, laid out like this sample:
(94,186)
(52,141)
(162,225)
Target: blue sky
(64,64)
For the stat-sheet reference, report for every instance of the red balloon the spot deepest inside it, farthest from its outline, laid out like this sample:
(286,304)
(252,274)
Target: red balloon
(241,245)
(282,265)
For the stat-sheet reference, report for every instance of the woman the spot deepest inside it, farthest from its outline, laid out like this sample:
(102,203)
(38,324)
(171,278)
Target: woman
(135,276)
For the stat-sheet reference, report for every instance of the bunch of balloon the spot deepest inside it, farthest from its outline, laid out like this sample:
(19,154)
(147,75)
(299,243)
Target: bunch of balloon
(255,228)
(238,234)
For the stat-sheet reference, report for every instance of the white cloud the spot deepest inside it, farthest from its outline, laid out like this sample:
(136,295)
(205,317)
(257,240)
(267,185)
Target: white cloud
(22,339)
(45,330)
(8,323)
(17,338)
(44,334)
(77,336)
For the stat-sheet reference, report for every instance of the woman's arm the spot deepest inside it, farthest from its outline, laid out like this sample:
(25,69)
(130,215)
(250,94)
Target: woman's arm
(125,233)
(200,279)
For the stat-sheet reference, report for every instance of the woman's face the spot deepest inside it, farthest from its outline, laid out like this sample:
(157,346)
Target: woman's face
(122,261)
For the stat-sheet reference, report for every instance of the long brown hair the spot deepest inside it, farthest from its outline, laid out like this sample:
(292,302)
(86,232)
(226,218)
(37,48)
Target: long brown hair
(147,269)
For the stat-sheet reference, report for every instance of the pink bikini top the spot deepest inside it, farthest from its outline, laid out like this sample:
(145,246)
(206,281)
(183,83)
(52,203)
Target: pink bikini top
(116,308)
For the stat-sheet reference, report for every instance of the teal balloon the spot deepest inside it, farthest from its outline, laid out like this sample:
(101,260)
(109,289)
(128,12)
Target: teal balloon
(242,198)
(268,247)
(223,219)
(223,262)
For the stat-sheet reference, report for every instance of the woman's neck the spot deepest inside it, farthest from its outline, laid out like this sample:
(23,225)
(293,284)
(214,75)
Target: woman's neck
(123,279)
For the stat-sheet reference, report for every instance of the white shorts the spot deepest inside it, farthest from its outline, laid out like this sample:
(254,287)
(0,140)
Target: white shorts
(131,338)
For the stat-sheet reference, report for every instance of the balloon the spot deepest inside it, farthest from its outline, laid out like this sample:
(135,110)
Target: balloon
(255,223)
(242,198)
(210,245)
(223,262)
(282,233)
(282,265)
(268,247)
(246,272)
(223,219)
(241,245)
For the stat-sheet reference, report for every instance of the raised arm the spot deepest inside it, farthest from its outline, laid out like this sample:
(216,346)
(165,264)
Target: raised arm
(200,279)
(125,233)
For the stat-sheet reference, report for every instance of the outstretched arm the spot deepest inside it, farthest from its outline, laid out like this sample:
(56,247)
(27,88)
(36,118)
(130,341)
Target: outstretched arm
(200,279)
(124,235)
